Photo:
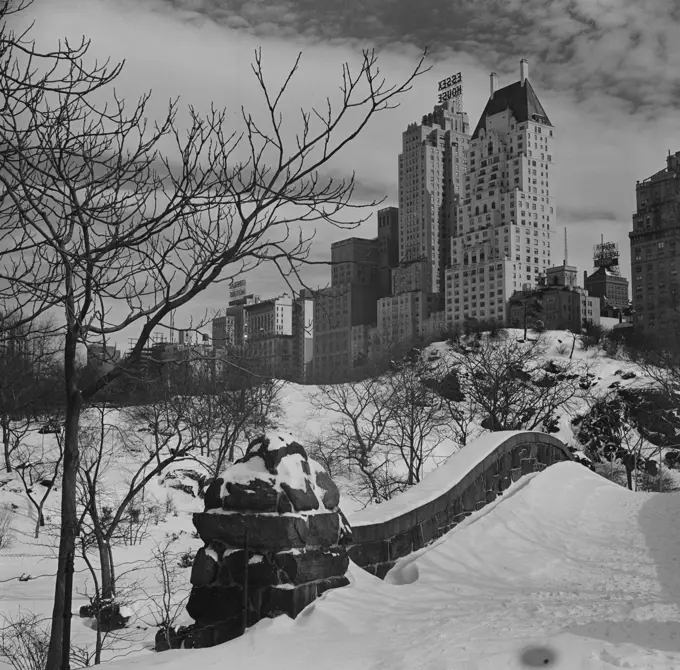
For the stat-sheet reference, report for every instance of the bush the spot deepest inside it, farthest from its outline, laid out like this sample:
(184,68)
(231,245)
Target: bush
(186,560)
(5,526)
(24,642)
(562,349)
(492,326)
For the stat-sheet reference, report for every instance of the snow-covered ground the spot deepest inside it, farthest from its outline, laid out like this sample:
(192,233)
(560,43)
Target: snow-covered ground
(564,559)
(566,567)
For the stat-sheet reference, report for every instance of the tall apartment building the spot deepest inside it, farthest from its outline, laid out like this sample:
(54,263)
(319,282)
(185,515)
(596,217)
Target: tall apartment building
(388,248)
(432,166)
(349,301)
(655,250)
(505,225)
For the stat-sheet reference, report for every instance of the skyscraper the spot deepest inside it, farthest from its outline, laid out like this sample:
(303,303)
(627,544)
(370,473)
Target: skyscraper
(388,248)
(655,249)
(431,169)
(349,302)
(502,240)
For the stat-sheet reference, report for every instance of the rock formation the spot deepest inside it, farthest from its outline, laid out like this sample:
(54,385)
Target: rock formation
(274,540)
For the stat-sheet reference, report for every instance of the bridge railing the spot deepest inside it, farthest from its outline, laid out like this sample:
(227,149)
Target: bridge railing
(470,479)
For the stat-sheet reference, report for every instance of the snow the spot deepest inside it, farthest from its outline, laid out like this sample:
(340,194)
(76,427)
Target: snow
(435,483)
(565,561)
(243,473)
(289,471)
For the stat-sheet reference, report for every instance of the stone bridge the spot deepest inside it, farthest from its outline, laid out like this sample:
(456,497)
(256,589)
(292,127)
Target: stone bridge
(470,479)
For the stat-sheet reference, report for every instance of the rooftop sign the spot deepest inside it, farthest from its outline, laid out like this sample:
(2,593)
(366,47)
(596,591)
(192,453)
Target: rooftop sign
(451,88)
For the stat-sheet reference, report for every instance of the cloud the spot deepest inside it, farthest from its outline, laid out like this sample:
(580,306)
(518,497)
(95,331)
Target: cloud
(606,71)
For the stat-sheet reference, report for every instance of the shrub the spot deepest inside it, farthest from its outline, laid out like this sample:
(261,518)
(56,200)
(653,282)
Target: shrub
(186,560)
(5,526)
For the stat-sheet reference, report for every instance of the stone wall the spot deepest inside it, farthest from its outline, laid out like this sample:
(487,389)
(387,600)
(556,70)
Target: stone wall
(377,545)
(275,539)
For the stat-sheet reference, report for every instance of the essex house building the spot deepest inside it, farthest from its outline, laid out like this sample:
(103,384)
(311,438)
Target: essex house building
(501,242)
(432,167)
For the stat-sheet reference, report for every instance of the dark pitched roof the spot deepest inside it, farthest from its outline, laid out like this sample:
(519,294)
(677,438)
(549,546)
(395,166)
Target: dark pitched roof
(520,99)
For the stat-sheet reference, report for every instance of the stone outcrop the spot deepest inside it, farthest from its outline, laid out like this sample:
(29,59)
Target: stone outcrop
(274,539)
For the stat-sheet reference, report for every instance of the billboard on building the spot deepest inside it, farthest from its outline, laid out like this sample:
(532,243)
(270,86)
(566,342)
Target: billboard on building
(606,255)
(451,88)
(237,292)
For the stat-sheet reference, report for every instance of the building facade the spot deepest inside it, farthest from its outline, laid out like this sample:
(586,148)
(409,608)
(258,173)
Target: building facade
(655,250)
(228,329)
(388,248)
(355,261)
(610,288)
(406,317)
(563,305)
(350,301)
(502,241)
(271,338)
(432,166)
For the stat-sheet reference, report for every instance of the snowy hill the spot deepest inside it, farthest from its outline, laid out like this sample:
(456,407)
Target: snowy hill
(565,567)
(564,558)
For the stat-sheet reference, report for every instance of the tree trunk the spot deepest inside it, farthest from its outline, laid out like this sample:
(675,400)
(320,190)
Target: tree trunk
(39,523)
(5,444)
(60,635)
(108,586)
(629,477)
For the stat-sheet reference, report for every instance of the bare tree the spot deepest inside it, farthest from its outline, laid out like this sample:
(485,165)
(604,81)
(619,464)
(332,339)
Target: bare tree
(38,470)
(660,361)
(166,604)
(162,416)
(531,304)
(24,643)
(100,206)
(510,388)
(608,432)
(460,411)
(27,375)
(229,407)
(418,418)
(105,512)
(357,415)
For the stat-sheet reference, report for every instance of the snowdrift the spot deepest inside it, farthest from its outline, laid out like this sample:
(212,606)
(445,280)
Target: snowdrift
(566,568)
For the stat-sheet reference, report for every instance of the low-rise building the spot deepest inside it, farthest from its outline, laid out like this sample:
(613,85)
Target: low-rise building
(611,288)
(558,302)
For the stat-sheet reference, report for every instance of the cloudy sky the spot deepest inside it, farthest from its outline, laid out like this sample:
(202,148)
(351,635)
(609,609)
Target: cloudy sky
(606,71)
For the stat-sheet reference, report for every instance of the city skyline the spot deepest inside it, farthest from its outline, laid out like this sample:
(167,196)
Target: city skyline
(617,82)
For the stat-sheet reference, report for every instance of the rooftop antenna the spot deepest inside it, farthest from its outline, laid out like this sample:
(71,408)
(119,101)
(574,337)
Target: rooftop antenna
(566,248)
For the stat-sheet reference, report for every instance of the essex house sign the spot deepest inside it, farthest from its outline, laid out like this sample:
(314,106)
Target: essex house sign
(451,88)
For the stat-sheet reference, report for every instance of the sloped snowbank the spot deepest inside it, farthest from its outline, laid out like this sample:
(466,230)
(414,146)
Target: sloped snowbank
(568,562)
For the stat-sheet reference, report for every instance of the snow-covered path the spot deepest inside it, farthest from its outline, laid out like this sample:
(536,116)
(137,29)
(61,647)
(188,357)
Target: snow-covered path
(565,561)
